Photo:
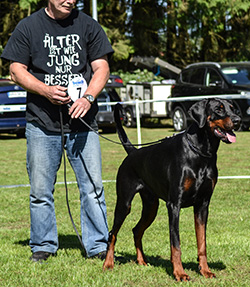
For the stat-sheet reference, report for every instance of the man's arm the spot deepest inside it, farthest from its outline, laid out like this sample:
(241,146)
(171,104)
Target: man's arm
(100,68)
(20,75)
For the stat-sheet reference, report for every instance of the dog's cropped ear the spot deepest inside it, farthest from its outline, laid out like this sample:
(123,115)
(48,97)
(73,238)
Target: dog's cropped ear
(198,113)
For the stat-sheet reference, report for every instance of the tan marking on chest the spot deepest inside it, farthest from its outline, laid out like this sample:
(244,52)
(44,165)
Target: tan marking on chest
(188,183)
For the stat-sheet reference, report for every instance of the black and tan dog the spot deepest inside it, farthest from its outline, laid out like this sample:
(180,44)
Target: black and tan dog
(182,171)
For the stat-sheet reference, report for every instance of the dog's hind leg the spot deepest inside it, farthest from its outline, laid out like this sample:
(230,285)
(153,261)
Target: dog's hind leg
(122,209)
(150,206)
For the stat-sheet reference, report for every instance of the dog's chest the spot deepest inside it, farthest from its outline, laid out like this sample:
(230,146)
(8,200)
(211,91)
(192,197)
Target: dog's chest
(186,180)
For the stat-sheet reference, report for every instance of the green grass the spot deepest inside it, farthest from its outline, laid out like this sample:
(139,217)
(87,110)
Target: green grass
(228,232)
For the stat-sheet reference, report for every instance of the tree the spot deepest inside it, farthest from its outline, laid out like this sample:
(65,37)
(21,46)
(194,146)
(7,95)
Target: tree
(238,31)
(144,24)
(112,15)
(10,15)
(201,30)
(179,47)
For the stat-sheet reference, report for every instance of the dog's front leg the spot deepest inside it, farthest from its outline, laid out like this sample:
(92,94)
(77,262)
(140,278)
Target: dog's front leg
(200,218)
(178,270)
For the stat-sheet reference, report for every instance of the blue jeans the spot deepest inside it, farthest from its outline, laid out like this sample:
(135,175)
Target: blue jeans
(44,153)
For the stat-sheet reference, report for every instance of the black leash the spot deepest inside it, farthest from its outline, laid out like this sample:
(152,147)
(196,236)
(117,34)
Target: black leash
(65,181)
(107,139)
(115,142)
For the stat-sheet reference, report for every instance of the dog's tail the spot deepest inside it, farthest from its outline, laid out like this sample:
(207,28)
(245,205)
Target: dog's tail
(121,132)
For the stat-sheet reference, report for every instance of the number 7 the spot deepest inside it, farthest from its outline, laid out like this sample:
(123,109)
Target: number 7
(79,95)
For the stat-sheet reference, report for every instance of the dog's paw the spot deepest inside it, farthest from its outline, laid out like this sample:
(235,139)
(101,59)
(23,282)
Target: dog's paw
(107,265)
(181,277)
(142,262)
(208,274)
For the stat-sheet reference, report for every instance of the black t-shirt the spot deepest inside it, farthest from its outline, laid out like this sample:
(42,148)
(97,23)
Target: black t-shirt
(56,51)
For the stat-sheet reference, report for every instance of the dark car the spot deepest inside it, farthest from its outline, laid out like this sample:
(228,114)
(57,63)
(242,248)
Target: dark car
(207,79)
(114,82)
(13,106)
(105,115)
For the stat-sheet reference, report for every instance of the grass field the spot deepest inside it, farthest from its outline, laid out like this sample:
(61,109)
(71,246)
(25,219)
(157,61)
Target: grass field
(228,232)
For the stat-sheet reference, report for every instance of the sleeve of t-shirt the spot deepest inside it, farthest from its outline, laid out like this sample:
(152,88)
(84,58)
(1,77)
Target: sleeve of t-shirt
(18,46)
(98,44)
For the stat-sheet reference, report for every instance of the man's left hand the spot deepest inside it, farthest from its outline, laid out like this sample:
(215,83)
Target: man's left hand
(79,108)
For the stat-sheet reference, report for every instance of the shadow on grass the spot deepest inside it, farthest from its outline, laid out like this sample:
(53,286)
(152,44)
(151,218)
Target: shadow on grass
(9,137)
(65,242)
(158,261)
(72,242)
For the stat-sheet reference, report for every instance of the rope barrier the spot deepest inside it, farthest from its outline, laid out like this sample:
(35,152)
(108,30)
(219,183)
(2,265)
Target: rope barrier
(113,181)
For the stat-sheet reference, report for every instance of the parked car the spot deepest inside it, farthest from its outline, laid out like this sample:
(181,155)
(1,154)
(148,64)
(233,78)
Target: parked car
(210,78)
(13,106)
(105,115)
(114,81)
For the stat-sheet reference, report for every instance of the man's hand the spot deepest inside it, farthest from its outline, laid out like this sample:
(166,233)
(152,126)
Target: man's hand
(79,108)
(100,76)
(57,95)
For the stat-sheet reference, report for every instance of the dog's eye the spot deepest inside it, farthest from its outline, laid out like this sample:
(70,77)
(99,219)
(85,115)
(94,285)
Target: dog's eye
(219,109)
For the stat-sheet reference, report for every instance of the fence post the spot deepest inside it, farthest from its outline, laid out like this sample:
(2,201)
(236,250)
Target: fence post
(138,122)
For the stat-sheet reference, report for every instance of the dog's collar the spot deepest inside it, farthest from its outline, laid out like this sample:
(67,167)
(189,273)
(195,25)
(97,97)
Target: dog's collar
(196,149)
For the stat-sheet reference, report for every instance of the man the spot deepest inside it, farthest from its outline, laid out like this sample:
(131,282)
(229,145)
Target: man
(46,51)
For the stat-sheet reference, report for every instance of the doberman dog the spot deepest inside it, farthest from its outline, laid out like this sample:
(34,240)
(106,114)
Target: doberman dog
(182,171)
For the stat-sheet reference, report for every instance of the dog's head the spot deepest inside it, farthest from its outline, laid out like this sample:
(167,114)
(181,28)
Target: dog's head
(219,115)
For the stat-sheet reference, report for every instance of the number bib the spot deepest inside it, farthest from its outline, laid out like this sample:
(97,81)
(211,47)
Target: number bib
(76,88)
